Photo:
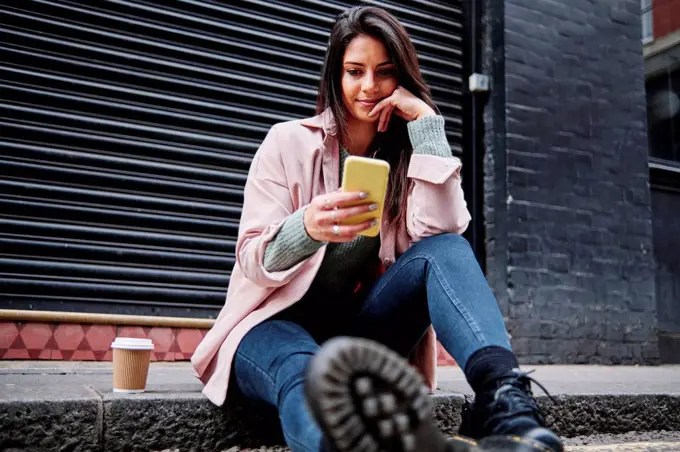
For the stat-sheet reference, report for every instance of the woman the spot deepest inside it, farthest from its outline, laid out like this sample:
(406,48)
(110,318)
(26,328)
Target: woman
(301,278)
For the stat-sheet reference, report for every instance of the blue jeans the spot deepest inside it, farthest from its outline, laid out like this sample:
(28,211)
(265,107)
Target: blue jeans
(436,282)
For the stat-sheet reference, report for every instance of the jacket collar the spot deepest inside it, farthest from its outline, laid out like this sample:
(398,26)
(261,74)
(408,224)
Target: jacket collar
(325,120)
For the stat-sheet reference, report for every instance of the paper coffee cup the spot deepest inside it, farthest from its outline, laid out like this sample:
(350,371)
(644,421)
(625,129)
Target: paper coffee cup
(131,358)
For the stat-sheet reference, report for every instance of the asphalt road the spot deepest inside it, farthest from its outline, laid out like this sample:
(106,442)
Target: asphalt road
(628,442)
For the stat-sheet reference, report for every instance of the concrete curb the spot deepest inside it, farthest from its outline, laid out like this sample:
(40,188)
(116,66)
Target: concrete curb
(111,422)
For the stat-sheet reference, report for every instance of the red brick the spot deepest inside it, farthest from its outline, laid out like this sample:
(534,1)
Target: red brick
(16,354)
(83,355)
(188,339)
(162,339)
(35,335)
(666,17)
(100,337)
(132,331)
(8,334)
(68,336)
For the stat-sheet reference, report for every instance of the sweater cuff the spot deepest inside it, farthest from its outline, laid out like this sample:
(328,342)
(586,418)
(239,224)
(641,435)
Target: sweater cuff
(291,245)
(428,136)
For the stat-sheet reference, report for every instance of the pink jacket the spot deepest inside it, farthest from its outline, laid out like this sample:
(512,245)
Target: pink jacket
(297,161)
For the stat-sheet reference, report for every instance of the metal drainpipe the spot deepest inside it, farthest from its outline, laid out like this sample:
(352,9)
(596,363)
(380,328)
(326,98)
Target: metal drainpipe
(473,157)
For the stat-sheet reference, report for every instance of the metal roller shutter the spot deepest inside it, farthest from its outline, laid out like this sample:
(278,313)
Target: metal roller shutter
(127,129)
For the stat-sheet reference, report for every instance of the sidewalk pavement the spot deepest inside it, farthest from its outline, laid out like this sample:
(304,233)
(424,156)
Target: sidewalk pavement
(70,406)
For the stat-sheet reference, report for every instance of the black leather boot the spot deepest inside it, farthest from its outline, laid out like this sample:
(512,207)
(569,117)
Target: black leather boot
(509,419)
(367,398)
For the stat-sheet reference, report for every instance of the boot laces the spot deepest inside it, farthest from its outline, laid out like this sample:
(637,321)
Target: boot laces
(514,398)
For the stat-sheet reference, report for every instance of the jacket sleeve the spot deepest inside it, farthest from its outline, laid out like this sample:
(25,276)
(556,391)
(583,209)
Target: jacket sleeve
(436,204)
(291,245)
(267,204)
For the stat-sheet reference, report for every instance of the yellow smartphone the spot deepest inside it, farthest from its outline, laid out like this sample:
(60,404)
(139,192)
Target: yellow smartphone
(370,176)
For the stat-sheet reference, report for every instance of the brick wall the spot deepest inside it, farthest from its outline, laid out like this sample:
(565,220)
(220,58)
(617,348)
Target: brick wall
(567,196)
(666,17)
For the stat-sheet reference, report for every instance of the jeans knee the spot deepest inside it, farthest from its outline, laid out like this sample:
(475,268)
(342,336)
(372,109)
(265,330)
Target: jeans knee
(445,246)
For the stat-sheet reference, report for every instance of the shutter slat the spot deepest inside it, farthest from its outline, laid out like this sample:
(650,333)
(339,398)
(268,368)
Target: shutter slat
(122,254)
(99,288)
(122,181)
(109,198)
(109,235)
(124,219)
(121,275)
(89,159)
(123,144)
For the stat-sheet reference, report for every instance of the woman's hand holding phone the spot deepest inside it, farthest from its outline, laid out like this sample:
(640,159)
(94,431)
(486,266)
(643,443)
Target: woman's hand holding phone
(324,215)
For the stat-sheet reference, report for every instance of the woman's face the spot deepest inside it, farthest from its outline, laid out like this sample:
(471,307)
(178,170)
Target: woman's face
(367,76)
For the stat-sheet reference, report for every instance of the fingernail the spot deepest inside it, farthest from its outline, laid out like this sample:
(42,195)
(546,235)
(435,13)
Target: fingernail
(374,222)
(373,207)
(363,195)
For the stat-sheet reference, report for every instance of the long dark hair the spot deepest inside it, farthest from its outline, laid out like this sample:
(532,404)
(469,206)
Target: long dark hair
(393,146)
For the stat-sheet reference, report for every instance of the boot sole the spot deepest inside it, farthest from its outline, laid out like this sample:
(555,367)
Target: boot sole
(367,398)
(508,443)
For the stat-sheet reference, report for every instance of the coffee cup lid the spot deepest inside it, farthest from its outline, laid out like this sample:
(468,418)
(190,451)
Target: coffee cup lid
(132,343)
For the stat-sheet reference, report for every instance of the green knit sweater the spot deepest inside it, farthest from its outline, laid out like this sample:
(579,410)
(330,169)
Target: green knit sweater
(292,244)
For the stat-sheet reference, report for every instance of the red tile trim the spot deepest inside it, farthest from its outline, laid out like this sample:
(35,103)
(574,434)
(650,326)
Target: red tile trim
(78,342)
(87,342)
